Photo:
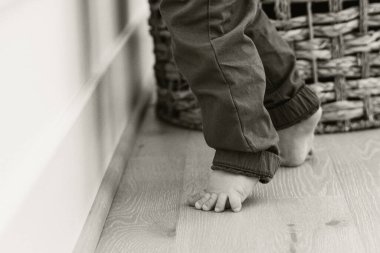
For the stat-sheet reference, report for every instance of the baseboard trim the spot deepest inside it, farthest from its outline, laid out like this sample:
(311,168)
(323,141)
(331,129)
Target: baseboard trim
(97,216)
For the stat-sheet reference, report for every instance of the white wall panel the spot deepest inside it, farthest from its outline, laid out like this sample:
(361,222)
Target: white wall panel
(68,86)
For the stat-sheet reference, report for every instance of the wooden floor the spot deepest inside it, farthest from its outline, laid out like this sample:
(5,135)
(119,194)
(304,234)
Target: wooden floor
(330,204)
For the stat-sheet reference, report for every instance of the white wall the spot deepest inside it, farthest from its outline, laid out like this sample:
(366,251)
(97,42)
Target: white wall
(71,71)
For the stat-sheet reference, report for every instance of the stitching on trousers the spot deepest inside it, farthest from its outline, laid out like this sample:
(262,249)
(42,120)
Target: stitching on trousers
(250,146)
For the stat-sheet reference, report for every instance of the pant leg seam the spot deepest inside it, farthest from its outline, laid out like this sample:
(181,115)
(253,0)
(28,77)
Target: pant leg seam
(250,145)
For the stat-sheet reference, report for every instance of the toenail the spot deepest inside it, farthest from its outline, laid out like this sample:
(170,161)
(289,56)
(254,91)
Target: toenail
(197,205)
(217,210)
(236,209)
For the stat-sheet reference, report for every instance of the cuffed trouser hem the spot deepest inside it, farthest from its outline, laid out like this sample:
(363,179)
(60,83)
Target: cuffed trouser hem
(262,165)
(304,104)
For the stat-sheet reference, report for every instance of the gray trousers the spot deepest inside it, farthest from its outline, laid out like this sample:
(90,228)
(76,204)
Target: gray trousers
(244,76)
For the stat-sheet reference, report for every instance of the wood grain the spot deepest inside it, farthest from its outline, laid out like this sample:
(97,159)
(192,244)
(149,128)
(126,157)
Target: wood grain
(329,204)
(144,213)
(93,227)
(356,159)
(302,210)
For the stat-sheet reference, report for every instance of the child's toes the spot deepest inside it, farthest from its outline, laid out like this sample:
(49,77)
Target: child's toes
(210,203)
(199,203)
(235,201)
(194,198)
(221,202)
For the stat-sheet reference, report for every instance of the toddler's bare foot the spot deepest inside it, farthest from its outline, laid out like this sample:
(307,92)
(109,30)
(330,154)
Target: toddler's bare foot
(231,190)
(296,142)
(224,190)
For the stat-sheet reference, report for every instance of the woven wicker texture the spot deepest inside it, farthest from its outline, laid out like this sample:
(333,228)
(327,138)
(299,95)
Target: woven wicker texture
(337,44)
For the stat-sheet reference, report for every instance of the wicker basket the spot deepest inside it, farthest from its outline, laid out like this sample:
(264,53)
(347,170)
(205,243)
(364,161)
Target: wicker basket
(337,43)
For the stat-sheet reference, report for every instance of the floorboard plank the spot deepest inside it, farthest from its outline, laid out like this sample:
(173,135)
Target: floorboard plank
(301,210)
(356,159)
(329,204)
(144,213)
(316,177)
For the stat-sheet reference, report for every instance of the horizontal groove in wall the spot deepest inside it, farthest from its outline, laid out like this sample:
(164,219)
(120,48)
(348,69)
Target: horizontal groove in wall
(38,150)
